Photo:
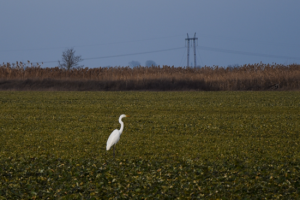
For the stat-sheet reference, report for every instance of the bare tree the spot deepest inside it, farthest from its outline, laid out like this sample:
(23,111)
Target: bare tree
(69,60)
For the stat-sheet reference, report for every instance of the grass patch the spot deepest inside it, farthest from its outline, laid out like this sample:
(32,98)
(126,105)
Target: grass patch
(229,145)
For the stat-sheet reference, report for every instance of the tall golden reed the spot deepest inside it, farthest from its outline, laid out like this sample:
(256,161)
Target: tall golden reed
(246,77)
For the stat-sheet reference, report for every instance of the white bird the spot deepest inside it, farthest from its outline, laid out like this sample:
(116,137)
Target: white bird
(114,137)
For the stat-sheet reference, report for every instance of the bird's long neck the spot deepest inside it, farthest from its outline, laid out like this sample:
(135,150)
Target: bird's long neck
(122,125)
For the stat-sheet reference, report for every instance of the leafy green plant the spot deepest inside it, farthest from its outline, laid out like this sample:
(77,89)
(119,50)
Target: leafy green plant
(228,145)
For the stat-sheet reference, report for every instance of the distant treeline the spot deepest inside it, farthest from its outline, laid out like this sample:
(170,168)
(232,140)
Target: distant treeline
(20,76)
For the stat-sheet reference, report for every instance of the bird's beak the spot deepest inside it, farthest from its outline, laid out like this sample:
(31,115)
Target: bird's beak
(127,116)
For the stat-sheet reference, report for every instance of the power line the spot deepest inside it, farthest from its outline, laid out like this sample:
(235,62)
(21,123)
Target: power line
(90,45)
(245,53)
(122,55)
(251,41)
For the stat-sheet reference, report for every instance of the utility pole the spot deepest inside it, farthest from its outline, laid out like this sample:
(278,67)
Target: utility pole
(194,43)
(188,49)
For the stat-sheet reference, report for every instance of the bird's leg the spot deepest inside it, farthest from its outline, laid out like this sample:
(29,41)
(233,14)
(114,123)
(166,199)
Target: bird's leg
(114,151)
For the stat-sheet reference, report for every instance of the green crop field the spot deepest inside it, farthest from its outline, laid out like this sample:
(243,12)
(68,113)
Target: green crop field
(186,145)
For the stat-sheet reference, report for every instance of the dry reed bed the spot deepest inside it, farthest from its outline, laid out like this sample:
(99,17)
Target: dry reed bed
(260,76)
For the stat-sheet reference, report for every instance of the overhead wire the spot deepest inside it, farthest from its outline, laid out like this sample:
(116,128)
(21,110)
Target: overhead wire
(205,48)
(90,45)
(249,41)
(122,55)
(245,53)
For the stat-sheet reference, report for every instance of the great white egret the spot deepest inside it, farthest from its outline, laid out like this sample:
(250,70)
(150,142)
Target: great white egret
(115,135)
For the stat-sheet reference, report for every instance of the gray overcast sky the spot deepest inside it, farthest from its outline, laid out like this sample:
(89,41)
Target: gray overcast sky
(229,32)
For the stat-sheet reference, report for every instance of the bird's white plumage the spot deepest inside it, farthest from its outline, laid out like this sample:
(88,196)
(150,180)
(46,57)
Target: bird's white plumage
(115,135)
(113,139)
